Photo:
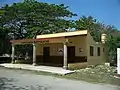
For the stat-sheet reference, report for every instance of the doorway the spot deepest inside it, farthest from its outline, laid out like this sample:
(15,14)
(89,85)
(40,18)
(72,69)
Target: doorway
(71,54)
(46,54)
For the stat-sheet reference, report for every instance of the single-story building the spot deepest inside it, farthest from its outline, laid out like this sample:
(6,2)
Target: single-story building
(66,49)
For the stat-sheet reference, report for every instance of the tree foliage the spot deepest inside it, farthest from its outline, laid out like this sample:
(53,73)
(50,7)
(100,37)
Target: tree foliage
(90,24)
(96,29)
(28,18)
(25,19)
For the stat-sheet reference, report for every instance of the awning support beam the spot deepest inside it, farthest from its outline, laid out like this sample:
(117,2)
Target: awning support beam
(65,64)
(34,54)
(13,54)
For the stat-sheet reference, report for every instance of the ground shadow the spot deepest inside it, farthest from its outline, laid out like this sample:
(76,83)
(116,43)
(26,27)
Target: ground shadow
(7,84)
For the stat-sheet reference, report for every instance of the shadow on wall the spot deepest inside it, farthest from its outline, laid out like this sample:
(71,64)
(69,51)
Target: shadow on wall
(113,60)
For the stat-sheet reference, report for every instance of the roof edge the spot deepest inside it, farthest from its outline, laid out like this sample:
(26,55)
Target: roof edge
(64,34)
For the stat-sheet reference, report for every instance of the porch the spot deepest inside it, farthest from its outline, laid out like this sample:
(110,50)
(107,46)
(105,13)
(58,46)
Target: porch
(56,49)
(45,57)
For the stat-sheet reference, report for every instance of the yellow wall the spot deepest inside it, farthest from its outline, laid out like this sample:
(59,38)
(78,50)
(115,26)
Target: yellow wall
(54,49)
(95,59)
(78,42)
(84,42)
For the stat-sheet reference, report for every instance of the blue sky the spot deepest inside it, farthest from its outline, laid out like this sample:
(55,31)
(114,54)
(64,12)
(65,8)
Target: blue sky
(106,11)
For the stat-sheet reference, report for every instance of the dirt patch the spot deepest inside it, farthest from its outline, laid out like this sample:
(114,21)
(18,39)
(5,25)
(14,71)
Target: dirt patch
(100,74)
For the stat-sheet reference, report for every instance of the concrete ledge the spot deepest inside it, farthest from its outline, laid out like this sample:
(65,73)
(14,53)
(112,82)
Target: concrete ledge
(117,76)
(77,65)
(55,70)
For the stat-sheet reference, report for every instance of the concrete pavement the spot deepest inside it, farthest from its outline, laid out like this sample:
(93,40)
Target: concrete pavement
(55,70)
(25,80)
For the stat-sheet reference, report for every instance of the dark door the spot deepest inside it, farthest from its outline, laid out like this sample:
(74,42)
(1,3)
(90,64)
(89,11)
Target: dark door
(71,53)
(46,54)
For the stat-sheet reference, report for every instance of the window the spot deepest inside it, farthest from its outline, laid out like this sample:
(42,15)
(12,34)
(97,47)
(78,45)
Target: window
(103,49)
(80,49)
(98,51)
(91,51)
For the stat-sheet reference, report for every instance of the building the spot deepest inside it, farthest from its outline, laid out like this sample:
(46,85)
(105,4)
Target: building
(68,49)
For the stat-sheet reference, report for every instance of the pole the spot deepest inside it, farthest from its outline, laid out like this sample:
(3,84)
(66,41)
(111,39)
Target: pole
(118,61)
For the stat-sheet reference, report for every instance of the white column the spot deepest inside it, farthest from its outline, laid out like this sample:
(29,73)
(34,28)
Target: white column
(118,61)
(34,54)
(65,64)
(13,54)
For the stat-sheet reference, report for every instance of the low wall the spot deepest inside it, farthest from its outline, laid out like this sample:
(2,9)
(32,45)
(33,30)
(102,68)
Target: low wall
(23,61)
(59,59)
(50,59)
(5,59)
(77,65)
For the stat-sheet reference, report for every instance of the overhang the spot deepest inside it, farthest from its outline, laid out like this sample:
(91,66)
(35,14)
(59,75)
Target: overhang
(50,38)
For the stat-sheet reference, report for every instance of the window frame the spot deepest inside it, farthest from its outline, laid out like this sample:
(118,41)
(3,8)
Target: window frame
(98,51)
(103,49)
(91,52)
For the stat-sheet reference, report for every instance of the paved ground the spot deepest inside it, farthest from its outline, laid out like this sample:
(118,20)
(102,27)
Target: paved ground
(25,80)
(55,70)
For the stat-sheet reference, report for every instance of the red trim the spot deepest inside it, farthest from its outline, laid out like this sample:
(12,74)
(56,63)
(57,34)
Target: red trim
(22,40)
(38,39)
(33,40)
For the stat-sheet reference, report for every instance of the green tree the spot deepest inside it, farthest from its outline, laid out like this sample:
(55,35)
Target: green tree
(26,18)
(90,24)
(4,38)
(96,29)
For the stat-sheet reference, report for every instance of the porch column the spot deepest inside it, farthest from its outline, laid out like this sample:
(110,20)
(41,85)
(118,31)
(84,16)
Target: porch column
(13,54)
(34,54)
(65,64)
